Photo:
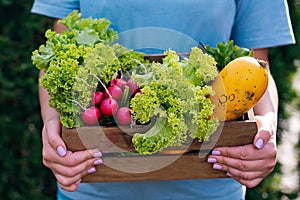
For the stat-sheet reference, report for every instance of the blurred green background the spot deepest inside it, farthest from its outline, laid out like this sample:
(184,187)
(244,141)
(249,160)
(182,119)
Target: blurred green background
(22,174)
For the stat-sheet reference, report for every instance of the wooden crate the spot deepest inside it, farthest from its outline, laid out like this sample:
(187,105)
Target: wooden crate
(121,163)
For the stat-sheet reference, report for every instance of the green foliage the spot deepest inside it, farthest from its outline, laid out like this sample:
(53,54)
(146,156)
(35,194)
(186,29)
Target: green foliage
(175,94)
(225,52)
(75,59)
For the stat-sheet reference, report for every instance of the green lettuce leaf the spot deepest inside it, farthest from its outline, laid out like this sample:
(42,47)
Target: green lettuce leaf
(174,95)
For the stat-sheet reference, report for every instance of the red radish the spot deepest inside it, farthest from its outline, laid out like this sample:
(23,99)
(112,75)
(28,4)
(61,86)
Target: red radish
(119,82)
(114,92)
(123,116)
(91,115)
(134,88)
(109,106)
(97,98)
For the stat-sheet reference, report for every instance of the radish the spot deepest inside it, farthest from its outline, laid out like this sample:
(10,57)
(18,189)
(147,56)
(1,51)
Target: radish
(109,106)
(121,83)
(91,115)
(134,88)
(123,116)
(114,92)
(97,98)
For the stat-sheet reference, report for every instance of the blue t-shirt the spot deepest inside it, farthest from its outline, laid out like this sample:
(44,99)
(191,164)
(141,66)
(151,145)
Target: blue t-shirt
(157,25)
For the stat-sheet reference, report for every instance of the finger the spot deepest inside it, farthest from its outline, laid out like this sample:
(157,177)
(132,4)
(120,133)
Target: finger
(52,132)
(72,171)
(246,152)
(238,173)
(226,163)
(249,183)
(67,176)
(246,175)
(265,132)
(78,157)
(71,159)
(70,187)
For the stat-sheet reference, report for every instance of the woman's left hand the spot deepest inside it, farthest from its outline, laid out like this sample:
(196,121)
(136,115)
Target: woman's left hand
(251,163)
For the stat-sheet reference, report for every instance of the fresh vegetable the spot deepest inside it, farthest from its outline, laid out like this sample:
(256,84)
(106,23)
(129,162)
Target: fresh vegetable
(174,95)
(97,98)
(133,87)
(109,106)
(114,92)
(225,52)
(91,115)
(123,116)
(121,83)
(174,98)
(238,87)
(73,58)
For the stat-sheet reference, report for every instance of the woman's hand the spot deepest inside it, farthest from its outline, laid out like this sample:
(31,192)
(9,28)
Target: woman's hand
(68,167)
(249,164)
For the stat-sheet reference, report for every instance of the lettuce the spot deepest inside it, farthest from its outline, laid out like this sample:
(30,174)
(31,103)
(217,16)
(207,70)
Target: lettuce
(174,93)
(70,58)
(174,96)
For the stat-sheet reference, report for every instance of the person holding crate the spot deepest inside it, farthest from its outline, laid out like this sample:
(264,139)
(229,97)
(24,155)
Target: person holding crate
(153,27)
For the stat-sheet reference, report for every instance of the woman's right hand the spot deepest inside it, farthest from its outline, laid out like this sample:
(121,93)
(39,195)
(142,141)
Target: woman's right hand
(68,167)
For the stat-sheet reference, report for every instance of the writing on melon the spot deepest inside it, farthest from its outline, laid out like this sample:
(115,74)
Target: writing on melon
(238,87)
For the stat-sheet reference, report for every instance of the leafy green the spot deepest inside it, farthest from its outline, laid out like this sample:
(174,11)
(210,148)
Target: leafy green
(81,31)
(74,58)
(225,52)
(174,95)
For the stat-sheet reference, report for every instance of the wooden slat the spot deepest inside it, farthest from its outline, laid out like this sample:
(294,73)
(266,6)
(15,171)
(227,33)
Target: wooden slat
(122,164)
(186,166)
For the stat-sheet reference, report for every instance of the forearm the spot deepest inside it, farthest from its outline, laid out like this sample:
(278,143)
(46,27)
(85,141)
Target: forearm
(268,104)
(47,112)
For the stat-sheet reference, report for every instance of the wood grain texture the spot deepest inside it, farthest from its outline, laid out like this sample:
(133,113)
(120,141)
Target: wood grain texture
(121,163)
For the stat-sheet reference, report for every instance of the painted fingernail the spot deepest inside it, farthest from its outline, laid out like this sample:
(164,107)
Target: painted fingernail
(98,162)
(211,160)
(216,153)
(97,155)
(259,143)
(217,166)
(61,151)
(78,182)
(228,174)
(91,170)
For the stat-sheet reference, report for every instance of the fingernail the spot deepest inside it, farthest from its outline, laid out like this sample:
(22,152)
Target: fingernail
(216,153)
(259,143)
(97,155)
(217,166)
(98,162)
(78,182)
(91,170)
(211,160)
(61,151)
(228,174)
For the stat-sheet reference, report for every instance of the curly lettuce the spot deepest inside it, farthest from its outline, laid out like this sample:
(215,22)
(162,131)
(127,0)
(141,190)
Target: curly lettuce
(72,59)
(175,96)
